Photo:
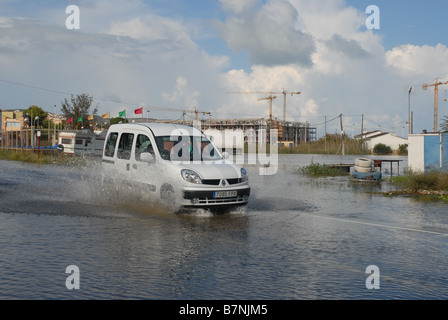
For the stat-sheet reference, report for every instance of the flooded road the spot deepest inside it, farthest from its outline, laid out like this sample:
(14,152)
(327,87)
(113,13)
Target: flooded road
(298,238)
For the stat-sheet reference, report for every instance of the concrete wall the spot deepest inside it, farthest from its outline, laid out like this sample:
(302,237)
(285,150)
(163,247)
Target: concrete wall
(428,151)
(416,152)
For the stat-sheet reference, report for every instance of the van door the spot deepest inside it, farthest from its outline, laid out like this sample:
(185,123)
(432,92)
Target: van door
(124,152)
(143,166)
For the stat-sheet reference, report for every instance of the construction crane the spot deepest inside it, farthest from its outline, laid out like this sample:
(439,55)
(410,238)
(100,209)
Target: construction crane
(271,93)
(196,112)
(270,98)
(436,99)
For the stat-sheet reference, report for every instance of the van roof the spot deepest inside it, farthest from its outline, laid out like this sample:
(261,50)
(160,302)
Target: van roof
(165,129)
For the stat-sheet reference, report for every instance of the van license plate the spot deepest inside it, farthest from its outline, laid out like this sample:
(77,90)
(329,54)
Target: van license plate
(225,194)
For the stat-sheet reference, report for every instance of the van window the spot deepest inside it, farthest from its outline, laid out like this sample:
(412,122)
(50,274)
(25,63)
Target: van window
(143,144)
(196,147)
(125,146)
(110,144)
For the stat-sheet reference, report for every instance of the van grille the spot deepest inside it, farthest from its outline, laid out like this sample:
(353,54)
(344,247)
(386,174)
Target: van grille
(215,182)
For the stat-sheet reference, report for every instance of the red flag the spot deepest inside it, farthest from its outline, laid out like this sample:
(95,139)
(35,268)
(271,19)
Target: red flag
(139,111)
(70,120)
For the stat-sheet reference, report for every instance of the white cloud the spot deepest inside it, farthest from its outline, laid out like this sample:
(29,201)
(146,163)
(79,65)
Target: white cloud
(311,108)
(325,18)
(182,94)
(411,59)
(351,73)
(238,6)
(130,61)
(269,35)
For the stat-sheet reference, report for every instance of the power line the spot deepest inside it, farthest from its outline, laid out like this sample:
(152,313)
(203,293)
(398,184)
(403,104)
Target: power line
(34,87)
(96,99)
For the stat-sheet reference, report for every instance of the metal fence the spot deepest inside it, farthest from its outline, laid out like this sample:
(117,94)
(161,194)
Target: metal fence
(28,139)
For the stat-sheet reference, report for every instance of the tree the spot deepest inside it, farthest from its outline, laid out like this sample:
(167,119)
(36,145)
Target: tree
(35,111)
(118,120)
(381,148)
(78,108)
(444,124)
(403,149)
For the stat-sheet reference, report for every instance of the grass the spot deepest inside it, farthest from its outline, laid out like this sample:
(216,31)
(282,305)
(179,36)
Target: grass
(330,144)
(26,156)
(42,158)
(432,185)
(318,170)
(433,180)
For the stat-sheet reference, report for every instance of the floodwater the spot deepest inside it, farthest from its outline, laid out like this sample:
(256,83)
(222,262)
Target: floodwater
(298,238)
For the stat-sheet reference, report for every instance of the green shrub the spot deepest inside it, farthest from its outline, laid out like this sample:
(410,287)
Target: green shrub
(381,148)
(329,144)
(403,149)
(433,180)
(318,170)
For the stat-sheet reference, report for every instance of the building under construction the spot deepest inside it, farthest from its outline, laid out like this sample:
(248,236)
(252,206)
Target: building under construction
(288,132)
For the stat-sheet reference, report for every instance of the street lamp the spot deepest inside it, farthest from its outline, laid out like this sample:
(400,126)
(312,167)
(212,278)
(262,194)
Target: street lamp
(409,108)
(54,124)
(36,124)
(6,133)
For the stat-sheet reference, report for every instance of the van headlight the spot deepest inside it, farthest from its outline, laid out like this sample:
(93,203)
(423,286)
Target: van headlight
(190,176)
(244,176)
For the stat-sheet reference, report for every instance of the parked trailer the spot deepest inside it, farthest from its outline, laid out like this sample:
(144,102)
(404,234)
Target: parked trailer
(84,142)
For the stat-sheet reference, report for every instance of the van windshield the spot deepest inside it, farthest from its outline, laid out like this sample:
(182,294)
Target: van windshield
(186,148)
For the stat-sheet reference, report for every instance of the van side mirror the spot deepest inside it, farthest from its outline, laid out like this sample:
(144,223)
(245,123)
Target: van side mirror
(225,155)
(147,157)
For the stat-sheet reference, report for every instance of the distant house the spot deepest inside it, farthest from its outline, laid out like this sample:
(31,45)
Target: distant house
(11,120)
(390,139)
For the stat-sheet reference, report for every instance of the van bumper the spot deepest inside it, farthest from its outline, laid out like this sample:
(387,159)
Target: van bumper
(200,198)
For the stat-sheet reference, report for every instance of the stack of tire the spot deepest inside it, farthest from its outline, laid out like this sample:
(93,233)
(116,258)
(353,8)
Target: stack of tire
(363,165)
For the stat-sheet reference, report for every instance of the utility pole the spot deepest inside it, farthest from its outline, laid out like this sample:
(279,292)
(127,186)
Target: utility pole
(325,134)
(54,124)
(362,125)
(342,135)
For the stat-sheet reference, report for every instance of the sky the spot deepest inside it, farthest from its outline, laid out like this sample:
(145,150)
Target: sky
(175,55)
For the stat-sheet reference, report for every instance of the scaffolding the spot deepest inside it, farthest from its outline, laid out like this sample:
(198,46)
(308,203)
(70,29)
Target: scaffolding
(288,132)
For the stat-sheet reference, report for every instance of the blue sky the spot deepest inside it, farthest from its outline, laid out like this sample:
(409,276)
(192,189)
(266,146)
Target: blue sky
(185,54)
(409,22)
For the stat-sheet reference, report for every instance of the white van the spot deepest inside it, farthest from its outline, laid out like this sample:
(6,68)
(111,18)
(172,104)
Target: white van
(176,163)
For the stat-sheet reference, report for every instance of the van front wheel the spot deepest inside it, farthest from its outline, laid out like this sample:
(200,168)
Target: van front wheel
(167,192)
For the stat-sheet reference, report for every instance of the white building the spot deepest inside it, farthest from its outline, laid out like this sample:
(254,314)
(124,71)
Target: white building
(388,138)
